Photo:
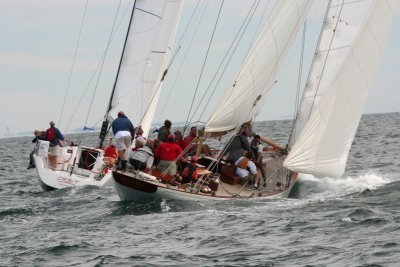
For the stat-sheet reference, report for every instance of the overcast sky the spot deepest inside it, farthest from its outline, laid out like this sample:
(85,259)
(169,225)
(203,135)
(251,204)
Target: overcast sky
(37,45)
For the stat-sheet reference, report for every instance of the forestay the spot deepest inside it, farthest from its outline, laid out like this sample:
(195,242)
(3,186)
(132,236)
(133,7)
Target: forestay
(323,146)
(245,96)
(144,60)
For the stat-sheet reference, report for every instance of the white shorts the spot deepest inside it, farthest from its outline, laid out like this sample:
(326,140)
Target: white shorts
(170,165)
(54,150)
(123,142)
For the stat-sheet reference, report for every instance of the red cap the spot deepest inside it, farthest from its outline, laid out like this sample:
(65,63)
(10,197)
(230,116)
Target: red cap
(171,138)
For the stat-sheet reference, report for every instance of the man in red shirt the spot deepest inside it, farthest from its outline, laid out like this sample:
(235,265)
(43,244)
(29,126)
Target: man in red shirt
(110,154)
(192,135)
(167,152)
(179,140)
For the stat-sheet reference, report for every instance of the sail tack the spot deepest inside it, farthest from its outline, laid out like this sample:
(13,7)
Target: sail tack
(322,147)
(244,97)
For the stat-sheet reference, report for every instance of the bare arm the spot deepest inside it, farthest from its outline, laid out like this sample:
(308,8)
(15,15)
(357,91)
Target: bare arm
(269,142)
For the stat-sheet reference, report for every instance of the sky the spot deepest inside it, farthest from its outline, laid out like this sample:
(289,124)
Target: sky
(39,67)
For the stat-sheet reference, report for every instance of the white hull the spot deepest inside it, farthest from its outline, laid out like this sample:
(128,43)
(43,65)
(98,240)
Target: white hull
(62,177)
(137,185)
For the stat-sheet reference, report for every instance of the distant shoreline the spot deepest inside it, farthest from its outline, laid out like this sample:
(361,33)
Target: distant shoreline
(97,130)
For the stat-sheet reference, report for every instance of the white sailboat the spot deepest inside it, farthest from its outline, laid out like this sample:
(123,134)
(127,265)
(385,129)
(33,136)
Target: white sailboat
(143,65)
(348,52)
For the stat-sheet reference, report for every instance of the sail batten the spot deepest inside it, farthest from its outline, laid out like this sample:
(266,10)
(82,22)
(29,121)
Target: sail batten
(323,145)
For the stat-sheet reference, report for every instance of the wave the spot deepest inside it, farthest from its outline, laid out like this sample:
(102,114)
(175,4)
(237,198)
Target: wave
(311,187)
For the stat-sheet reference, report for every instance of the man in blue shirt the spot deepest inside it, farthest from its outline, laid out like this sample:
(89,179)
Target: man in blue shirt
(124,132)
(53,135)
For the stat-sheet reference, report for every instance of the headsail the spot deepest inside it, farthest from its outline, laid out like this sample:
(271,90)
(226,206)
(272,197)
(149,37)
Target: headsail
(145,59)
(323,146)
(342,21)
(257,74)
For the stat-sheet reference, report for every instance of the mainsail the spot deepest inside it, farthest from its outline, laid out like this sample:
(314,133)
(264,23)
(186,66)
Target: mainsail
(244,97)
(322,147)
(145,59)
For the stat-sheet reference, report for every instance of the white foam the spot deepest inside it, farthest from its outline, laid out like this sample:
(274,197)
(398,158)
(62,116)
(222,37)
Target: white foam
(335,187)
(164,206)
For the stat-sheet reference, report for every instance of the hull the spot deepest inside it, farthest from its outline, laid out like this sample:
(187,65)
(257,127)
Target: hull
(137,185)
(66,176)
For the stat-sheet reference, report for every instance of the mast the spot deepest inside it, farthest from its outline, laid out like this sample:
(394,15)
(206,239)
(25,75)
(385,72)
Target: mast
(292,134)
(105,125)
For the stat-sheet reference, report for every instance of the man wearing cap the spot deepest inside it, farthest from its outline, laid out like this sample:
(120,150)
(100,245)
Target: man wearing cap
(53,135)
(167,152)
(123,131)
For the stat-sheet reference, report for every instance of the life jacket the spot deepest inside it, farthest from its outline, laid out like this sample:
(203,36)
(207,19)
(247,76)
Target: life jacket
(192,169)
(243,163)
(51,134)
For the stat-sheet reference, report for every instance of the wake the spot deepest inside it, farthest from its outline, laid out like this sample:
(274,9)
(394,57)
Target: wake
(310,187)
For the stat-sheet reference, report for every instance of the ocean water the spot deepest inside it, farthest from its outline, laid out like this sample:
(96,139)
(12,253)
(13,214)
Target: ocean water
(350,221)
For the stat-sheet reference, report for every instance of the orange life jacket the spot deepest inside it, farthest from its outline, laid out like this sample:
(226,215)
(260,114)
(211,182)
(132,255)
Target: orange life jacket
(243,163)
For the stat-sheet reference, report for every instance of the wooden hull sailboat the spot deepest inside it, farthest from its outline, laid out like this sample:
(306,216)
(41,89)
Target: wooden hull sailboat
(347,56)
(220,184)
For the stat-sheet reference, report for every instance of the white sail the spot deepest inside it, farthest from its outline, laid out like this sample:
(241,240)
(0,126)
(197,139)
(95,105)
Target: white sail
(341,24)
(245,95)
(322,147)
(145,59)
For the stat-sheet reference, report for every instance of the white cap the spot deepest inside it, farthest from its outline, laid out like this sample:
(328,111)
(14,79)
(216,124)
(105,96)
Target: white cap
(141,140)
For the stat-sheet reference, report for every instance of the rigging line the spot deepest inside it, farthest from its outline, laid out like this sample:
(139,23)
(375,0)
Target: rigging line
(225,56)
(101,68)
(326,58)
(166,70)
(185,56)
(250,45)
(106,116)
(73,62)
(184,34)
(223,71)
(298,80)
(315,53)
(160,83)
(300,13)
(96,69)
(204,63)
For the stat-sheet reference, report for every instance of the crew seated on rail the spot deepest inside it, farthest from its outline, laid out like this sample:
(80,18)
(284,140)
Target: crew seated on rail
(142,157)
